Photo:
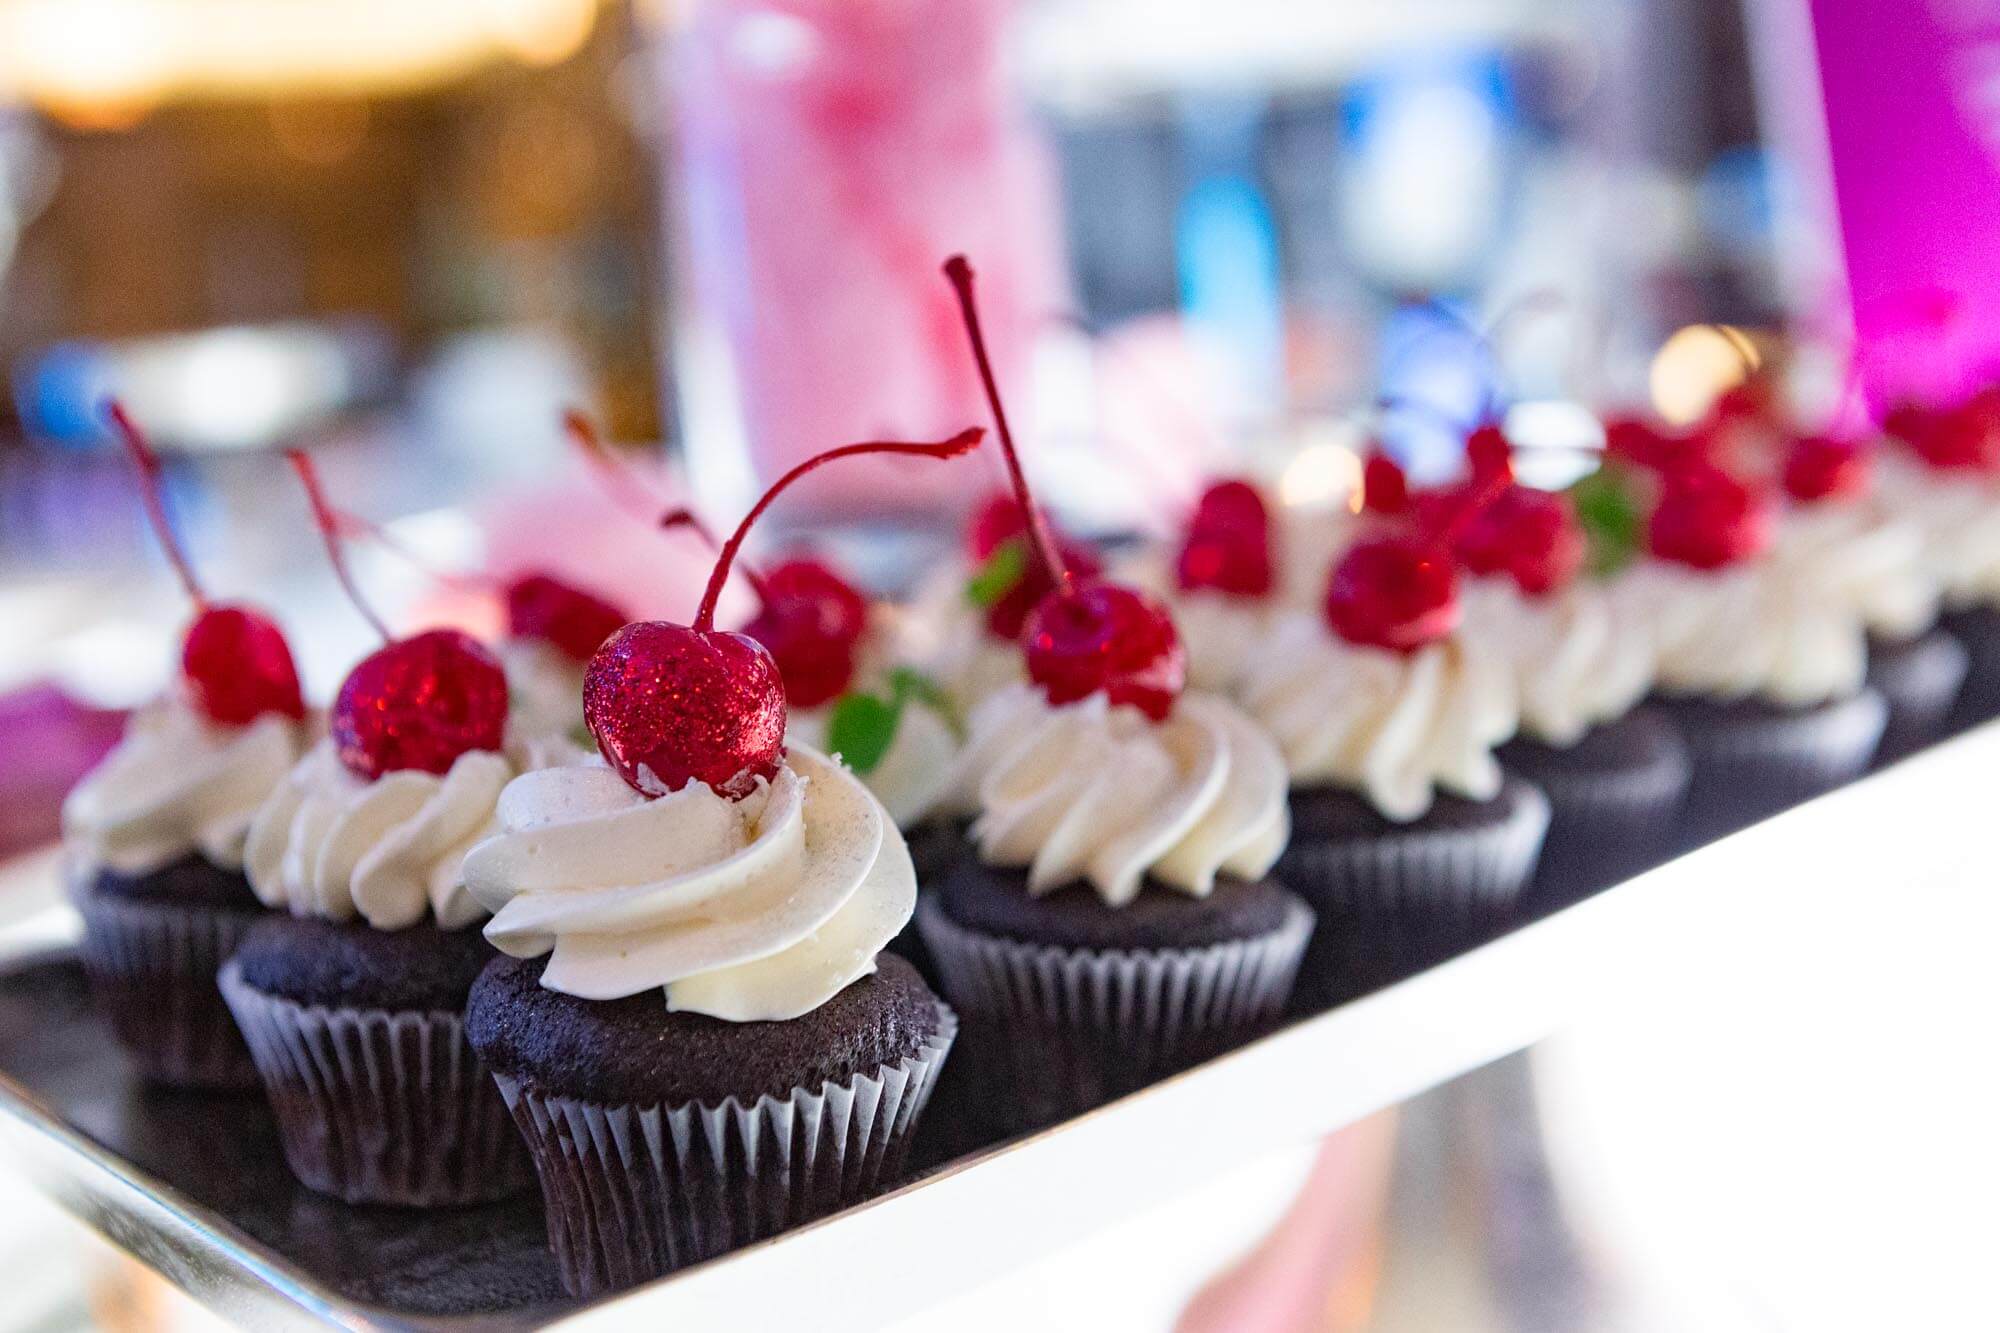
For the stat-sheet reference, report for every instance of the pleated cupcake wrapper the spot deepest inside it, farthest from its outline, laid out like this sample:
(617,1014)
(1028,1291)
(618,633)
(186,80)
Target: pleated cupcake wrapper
(1392,903)
(1604,827)
(152,972)
(633,1192)
(375,1106)
(1920,682)
(1053,1031)
(1748,768)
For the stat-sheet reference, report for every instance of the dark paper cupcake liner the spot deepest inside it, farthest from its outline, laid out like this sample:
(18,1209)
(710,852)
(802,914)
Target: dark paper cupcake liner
(1750,762)
(1978,628)
(1606,824)
(1919,679)
(380,1107)
(634,1192)
(152,969)
(1394,901)
(1053,1031)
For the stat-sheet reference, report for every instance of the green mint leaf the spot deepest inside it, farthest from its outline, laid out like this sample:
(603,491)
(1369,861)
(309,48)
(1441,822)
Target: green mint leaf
(1000,575)
(861,729)
(906,683)
(1612,520)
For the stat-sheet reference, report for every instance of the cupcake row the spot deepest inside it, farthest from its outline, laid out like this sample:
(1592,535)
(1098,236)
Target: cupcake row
(681,924)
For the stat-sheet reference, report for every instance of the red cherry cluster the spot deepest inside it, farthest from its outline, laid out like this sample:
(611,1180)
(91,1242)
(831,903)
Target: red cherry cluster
(1228,543)
(1082,637)
(1531,536)
(674,704)
(413,704)
(1396,591)
(1707,519)
(574,622)
(235,663)
(999,521)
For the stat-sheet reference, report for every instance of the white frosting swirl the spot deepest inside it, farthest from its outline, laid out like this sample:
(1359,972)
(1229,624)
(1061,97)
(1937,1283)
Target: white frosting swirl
(1393,726)
(1580,656)
(177,783)
(1958,516)
(1775,628)
(913,774)
(1086,791)
(754,910)
(1873,558)
(330,844)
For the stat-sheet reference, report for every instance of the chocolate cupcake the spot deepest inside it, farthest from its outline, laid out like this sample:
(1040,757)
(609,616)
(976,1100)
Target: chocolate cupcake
(154,835)
(1762,654)
(1110,921)
(1940,473)
(710,1054)
(155,838)
(712,1003)
(1407,840)
(352,1001)
(1580,658)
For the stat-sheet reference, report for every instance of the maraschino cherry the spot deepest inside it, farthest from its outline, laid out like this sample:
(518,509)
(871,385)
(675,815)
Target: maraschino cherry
(1083,637)
(414,704)
(1228,542)
(572,621)
(1395,591)
(235,663)
(673,704)
(1000,520)
(810,618)
(1820,467)
(1962,438)
(1707,519)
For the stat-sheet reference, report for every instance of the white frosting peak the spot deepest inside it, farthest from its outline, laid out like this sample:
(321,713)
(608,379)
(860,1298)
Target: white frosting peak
(1394,726)
(177,783)
(1580,656)
(913,774)
(1089,792)
(754,910)
(1958,517)
(330,844)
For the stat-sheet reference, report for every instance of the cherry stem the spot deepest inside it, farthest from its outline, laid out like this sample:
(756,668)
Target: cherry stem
(959,272)
(353,526)
(148,464)
(620,482)
(963,442)
(684,517)
(328,520)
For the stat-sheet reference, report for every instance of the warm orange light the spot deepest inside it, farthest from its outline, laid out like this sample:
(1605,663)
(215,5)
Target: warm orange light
(1697,365)
(70,55)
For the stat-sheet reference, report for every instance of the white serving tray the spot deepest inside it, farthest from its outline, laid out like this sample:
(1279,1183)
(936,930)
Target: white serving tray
(997,1210)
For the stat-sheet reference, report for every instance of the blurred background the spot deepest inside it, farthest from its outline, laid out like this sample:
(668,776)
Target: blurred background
(407,234)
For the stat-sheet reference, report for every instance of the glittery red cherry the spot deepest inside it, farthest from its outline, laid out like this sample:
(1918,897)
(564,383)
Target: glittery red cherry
(674,704)
(419,703)
(1642,444)
(999,520)
(1082,637)
(1228,542)
(1707,519)
(566,617)
(670,705)
(235,663)
(1396,592)
(1530,536)
(1104,637)
(413,704)
(1818,467)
